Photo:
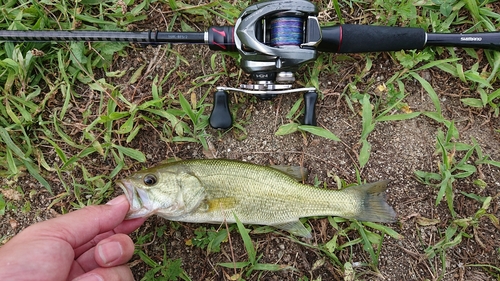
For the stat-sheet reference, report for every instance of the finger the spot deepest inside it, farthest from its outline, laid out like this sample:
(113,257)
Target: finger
(85,263)
(79,227)
(117,273)
(115,250)
(128,226)
(125,227)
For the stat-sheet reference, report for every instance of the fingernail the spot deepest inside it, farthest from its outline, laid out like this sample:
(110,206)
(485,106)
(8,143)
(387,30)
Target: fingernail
(89,277)
(110,252)
(118,200)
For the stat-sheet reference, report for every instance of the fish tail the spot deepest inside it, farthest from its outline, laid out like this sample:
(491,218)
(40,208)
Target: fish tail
(374,205)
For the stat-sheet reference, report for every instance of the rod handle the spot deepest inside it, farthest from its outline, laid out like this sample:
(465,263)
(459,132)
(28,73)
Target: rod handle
(352,38)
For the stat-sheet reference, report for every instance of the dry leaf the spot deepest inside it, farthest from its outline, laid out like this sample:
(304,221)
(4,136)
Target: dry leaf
(13,223)
(423,221)
(12,194)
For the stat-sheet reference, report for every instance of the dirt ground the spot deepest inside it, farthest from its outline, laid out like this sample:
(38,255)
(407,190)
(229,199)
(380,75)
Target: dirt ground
(398,150)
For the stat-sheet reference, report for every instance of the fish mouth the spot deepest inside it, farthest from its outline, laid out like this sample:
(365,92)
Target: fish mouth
(137,198)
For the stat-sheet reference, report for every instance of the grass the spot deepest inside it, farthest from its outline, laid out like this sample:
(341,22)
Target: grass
(252,264)
(452,169)
(70,122)
(168,269)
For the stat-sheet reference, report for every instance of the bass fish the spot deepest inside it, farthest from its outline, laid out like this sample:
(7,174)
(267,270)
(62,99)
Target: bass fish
(212,190)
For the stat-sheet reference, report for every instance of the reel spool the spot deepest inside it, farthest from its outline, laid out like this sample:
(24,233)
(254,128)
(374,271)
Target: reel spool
(287,31)
(273,38)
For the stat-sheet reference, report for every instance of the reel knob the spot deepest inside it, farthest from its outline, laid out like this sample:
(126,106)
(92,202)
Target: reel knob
(310,98)
(221,117)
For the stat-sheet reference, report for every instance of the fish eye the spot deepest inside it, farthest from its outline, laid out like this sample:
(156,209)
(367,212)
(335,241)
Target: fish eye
(150,180)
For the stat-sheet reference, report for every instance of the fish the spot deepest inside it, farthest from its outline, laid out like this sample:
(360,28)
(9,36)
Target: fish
(216,190)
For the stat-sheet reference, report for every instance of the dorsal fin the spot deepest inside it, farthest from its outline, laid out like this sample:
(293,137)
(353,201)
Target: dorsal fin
(297,172)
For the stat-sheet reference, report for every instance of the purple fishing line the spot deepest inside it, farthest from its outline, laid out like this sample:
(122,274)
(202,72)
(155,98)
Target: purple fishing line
(286,31)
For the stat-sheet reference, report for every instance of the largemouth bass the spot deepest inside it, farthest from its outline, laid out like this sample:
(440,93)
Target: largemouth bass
(211,191)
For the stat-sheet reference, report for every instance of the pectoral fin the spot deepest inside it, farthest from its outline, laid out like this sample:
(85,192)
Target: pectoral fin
(295,228)
(225,203)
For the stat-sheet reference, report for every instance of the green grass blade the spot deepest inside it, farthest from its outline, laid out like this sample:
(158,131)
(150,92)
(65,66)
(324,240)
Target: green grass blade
(318,131)
(398,117)
(388,230)
(367,244)
(270,267)
(252,254)
(11,163)
(427,86)
(367,115)
(241,264)
(10,144)
(364,153)
(338,11)
(34,172)
(287,129)
(187,108)
(132,153)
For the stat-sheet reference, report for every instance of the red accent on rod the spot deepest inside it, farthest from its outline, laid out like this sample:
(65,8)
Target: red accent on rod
(340,39)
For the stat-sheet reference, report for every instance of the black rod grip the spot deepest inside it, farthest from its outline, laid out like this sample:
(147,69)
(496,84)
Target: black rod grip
(221,117)
(310,108)
(352,38)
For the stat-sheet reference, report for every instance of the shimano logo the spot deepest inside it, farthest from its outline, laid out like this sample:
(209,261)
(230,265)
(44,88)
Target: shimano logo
(471,39)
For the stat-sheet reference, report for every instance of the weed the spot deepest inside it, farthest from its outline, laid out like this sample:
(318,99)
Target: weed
(209,239)
(252,264)
(459,230)
(493,270)
(392,12)
(4,205)
(168,270)
(450,168)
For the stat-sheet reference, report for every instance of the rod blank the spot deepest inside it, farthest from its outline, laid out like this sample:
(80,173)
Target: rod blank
(483,40)
(102,36)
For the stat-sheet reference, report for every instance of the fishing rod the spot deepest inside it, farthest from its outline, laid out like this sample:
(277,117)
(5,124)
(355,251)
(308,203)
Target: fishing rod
(274,38)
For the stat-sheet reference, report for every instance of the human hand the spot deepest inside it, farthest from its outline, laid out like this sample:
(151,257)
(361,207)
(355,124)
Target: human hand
(85,245)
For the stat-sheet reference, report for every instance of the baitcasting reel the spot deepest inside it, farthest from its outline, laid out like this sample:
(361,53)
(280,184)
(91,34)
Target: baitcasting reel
(273,38)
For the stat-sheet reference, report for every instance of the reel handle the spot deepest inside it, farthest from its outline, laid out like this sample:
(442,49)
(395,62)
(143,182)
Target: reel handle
(221,117)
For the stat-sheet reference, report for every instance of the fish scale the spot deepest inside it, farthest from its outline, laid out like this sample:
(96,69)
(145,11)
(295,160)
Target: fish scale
(276,196)
(214,190)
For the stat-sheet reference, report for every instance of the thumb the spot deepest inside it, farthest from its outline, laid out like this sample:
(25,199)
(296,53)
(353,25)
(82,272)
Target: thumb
(114,250)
